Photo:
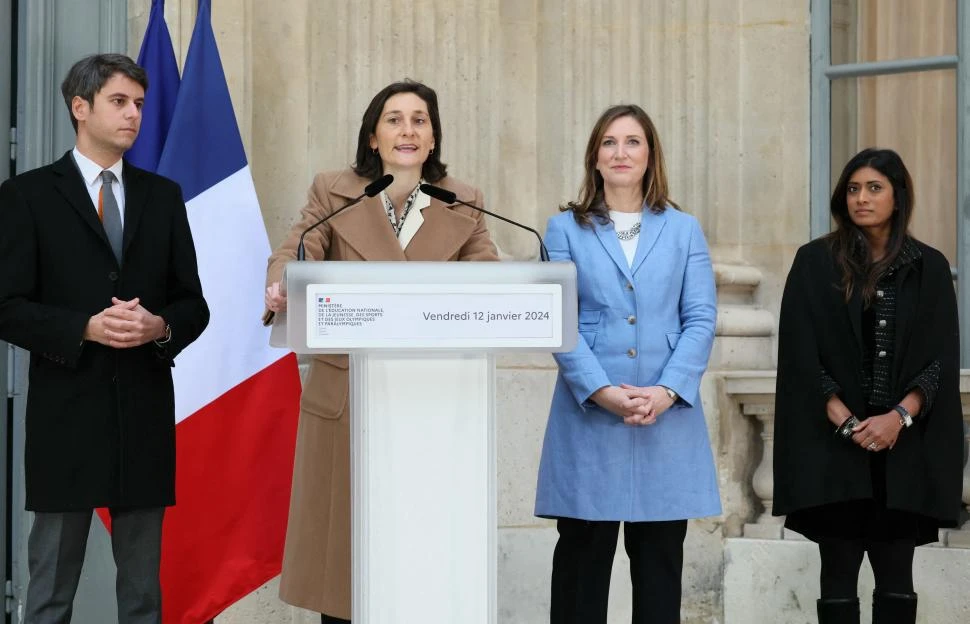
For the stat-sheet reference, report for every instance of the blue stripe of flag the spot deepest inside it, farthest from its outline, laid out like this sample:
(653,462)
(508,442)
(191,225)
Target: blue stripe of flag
(157,58)
(204,146)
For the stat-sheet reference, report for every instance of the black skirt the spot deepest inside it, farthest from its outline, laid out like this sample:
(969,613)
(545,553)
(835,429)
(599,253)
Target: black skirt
(865,519)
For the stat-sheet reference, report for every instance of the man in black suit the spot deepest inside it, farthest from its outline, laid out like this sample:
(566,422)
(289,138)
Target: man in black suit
(98,280)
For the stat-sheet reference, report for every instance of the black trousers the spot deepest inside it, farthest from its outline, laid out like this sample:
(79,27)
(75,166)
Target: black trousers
(583,561)
(891,561)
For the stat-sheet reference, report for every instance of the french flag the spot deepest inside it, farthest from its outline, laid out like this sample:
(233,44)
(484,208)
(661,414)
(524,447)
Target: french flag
(157,58)
(236,398)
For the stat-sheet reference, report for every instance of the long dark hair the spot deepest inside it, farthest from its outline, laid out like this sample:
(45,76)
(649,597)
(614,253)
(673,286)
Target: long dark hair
(849,245)
(368,163)
(590,203)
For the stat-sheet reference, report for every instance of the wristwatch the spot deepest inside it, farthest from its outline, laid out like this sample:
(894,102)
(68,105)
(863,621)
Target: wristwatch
(167,338)
(673,395)
(905,418)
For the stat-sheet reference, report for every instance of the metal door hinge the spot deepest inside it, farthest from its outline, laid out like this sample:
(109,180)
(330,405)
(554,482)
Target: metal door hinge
(8,596)
(13,143)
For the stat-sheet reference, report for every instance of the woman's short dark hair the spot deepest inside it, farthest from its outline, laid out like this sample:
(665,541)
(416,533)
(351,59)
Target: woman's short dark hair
(656,191)
(849,245)
(368,163)
(89,75)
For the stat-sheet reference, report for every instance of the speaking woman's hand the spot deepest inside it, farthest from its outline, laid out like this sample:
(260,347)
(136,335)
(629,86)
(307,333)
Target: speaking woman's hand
(878,433)
(633,409)
(274,299)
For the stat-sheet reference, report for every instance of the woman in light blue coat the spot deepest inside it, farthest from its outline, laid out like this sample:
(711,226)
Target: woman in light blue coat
(626,439)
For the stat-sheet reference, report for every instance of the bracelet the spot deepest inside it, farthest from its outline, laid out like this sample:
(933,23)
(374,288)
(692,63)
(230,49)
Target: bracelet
(845,429)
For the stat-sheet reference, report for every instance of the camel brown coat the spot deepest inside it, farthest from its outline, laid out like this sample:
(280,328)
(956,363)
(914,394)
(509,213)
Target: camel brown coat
(316,560)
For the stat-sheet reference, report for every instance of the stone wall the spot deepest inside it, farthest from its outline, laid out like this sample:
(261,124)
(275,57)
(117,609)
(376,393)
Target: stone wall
(520,84)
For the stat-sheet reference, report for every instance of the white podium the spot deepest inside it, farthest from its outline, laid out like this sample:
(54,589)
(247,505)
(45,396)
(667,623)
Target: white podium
(422,338)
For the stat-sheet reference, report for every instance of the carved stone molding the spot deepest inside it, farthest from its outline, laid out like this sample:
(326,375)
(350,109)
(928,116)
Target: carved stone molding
(744,329)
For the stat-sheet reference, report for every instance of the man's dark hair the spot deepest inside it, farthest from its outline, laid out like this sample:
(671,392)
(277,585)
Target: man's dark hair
(88,76)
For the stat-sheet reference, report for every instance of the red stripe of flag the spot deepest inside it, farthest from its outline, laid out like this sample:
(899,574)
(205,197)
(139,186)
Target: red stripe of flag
(235,461)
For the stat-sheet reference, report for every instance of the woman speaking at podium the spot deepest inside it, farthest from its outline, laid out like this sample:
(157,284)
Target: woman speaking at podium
(400,135)
(626,439)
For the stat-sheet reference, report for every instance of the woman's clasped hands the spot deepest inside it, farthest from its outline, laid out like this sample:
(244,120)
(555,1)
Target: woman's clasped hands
(875,433)
(636,405)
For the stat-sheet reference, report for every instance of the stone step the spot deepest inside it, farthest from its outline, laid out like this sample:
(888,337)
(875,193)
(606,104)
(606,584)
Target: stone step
(776,582)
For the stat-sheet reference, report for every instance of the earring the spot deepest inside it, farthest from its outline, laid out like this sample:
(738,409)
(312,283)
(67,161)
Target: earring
(431,152)
(374,151)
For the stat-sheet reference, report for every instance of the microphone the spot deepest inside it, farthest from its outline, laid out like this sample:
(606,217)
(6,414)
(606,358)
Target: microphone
(370,190)
(449,197)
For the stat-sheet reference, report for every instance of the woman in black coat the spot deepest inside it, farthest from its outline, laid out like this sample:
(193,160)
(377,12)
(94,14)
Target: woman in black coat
(868,425)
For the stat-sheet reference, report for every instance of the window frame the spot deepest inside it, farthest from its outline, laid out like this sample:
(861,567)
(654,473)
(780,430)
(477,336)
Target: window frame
(822,75)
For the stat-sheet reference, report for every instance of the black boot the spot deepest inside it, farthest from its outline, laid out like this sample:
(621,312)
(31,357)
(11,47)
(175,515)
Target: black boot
(329,619)
(838,610)
(890,608)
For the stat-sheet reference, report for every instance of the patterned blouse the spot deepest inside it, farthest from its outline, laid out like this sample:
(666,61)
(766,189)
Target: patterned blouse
(879,339)
(398,224)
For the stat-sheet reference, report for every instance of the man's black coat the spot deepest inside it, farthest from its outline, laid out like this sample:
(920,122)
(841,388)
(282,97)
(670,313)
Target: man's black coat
(818,328)
(100,421)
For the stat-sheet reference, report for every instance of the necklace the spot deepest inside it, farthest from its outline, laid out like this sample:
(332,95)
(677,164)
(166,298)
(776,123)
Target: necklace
(625,235)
